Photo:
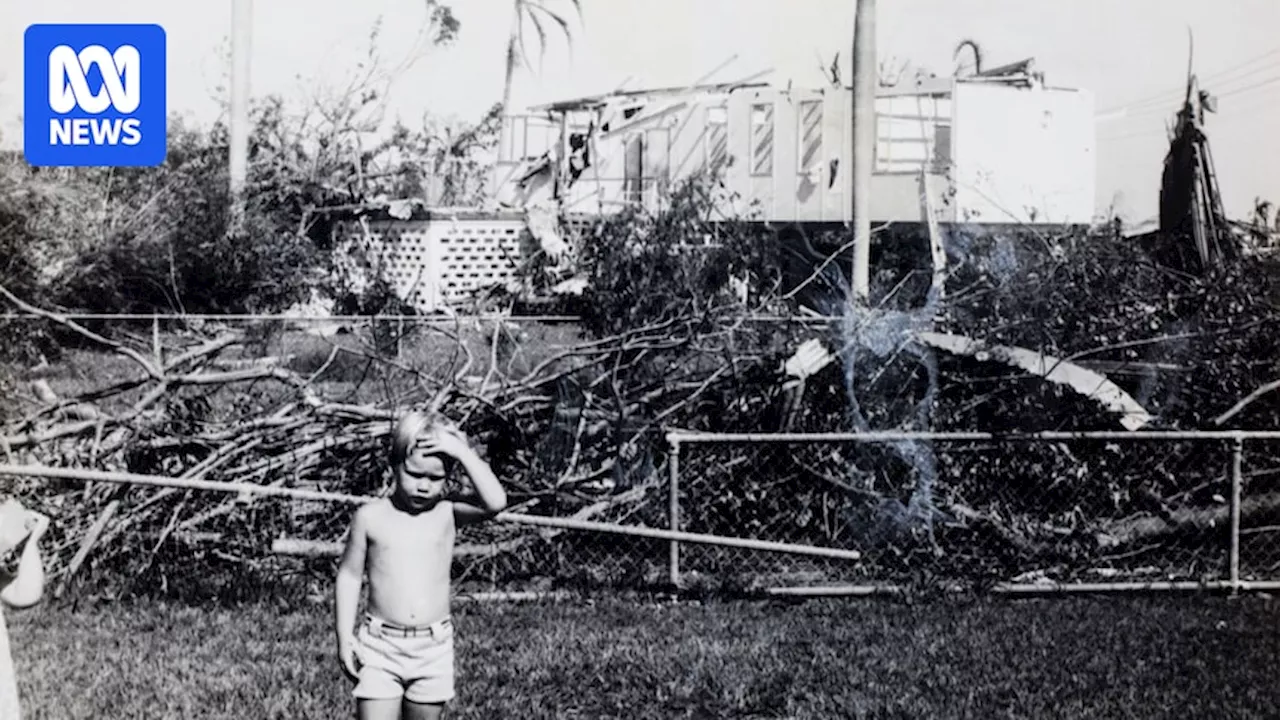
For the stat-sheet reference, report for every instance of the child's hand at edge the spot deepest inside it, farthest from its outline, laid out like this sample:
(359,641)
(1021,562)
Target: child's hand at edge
(37,525)
(347,656)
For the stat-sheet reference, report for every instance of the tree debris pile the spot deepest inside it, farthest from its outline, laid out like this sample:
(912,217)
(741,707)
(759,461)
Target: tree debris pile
(672,336)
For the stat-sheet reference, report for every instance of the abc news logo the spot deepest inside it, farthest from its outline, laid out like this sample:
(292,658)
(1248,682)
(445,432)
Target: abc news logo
(94,95)
(69,90)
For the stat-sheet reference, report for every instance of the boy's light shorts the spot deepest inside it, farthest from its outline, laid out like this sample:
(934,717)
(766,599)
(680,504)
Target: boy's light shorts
(418,669)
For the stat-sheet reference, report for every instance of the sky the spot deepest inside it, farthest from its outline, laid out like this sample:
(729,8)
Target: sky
(1132,54)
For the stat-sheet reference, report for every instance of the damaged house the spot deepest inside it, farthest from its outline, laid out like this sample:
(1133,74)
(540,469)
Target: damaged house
(995,148)
(999,147)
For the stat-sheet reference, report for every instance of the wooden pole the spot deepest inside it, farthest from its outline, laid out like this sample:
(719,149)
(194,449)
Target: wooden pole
(561,174)
(937,288)
(60,473)
(506,137)
(536,520)
(863,137)
(238,160)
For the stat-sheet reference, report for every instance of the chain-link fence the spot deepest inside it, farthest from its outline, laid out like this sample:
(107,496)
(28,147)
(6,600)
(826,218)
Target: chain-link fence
(1105,510)
(308,404)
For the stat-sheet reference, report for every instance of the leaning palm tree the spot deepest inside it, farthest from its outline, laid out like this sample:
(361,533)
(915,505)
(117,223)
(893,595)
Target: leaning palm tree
(973,48)
(537,13)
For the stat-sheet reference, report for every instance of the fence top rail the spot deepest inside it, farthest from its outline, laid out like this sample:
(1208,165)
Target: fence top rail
(251,317)
(426,319)
(685,436)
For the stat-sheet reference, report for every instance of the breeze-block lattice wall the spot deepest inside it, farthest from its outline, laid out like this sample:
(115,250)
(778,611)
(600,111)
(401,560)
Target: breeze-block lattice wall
(435,263)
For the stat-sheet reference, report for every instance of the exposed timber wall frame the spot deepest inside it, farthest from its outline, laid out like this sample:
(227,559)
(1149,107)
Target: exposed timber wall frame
(1004,151)
(1232,580)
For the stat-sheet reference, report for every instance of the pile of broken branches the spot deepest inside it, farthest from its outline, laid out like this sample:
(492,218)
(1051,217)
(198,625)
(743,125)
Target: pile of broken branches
(574,430)
(573,419)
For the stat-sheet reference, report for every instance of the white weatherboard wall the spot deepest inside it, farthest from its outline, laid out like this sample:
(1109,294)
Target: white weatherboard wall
(1015,154)
(1023,155)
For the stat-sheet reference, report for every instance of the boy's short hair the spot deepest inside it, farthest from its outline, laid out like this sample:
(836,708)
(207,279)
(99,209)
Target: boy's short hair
(412,428)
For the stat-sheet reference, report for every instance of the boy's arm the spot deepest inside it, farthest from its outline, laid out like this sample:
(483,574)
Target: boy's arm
(490,493)
(466,512)
(492,497)
(347,584)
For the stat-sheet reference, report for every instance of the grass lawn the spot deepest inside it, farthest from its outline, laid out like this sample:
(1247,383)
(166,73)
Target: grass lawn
(352,377)
(1069,657)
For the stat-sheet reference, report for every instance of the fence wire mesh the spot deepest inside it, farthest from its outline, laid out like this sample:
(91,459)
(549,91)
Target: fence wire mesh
(308,404)
(971,512)
(979,514)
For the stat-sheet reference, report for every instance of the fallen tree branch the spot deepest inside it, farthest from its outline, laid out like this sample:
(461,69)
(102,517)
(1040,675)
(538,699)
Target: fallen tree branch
(560,523)
(1246,402)
(1028,547)
(202,352)
(128,352)
(1129,531)
(86,545)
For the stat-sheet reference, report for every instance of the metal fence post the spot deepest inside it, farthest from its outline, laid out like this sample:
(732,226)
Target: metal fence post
(157,350)
(1237,480)
(674,508)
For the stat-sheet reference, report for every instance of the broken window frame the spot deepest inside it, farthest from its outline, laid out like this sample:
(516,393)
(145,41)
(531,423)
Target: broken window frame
(814,159)
(716,148)
(762,162)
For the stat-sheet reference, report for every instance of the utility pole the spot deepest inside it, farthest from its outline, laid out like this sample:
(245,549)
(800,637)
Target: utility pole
(506,139)
(864,144)
(238,162)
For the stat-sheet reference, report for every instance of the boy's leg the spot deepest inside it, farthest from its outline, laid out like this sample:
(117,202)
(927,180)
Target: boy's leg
(432,687)
(378,689)
(422,711)
(378,709)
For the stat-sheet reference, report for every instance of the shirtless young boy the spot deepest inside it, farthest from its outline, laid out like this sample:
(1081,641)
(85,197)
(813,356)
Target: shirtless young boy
(402,656)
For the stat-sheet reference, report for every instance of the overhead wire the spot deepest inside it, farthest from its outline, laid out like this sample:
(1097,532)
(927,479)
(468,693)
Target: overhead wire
(1173,92)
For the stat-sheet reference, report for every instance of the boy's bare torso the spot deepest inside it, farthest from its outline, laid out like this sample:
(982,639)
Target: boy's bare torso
(408,562)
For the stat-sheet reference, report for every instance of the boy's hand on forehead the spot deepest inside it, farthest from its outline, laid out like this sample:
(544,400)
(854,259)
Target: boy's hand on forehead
(443,440)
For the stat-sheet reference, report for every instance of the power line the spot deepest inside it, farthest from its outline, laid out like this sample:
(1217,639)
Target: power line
(1243,113)
(1156,105)
(1213,76)
(1130,136)
(1254,86)
(1245,110)
(1228,93)
(1233,77)
(1173,91)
